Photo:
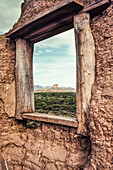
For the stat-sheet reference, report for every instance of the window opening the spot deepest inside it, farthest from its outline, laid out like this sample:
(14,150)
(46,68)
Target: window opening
(54,69)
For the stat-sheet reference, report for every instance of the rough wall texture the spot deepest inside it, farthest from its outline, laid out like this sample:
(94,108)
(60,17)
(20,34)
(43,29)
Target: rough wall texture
(52,146)
(7,75)
(49,147)
(101,108)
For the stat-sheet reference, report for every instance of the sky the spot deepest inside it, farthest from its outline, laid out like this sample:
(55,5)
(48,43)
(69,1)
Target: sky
(54,59)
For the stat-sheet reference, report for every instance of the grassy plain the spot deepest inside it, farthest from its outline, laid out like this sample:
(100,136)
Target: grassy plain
(57,103)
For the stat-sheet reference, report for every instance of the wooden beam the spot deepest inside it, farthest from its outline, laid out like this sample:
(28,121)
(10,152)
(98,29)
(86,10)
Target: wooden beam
(67,121)
(51,33)
(94,5)
(24,77)
(85,53)
(52,26)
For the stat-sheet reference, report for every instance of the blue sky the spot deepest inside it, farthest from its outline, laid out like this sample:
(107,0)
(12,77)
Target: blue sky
(54,58)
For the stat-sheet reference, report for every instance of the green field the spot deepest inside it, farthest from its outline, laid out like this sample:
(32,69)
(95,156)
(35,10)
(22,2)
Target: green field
(57,103)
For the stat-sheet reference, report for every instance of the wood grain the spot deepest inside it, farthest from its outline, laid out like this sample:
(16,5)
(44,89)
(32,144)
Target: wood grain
(67,121)
(24,77)
(85,52)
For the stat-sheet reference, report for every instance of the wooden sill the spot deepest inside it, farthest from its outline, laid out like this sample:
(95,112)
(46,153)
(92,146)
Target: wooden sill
(67,121)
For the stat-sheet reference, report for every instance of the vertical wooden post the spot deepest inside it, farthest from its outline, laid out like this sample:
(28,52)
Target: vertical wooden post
(85,53)
(24,77)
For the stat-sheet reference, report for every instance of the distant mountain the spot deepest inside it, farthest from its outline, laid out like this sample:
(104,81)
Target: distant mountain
(54,88)
(37,87)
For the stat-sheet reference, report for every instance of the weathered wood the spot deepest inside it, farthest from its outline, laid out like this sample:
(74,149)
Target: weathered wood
(53,31)
(67,121)
(53,25)
(94,5)
(50,34)
(85,52)
(24,77)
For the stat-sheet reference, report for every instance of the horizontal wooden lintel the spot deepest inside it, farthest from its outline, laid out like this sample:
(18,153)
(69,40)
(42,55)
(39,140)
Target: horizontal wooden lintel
(67,121)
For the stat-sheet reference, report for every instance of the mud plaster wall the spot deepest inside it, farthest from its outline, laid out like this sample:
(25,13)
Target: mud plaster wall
(52,146)
(101,106)
(7,75)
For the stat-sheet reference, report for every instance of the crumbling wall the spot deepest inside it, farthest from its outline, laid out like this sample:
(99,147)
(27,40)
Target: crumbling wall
(101,106)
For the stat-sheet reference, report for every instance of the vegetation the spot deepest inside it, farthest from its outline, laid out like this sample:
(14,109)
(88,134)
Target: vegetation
(33,124)
(57,103)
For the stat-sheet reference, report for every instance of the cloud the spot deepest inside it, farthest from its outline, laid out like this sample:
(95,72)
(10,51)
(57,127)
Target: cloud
(38,53)
(61,71)
(67,38)
(9,13)
(57,63)
(49,51)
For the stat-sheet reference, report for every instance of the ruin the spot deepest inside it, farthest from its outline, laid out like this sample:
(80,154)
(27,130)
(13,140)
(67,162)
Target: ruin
(85,143)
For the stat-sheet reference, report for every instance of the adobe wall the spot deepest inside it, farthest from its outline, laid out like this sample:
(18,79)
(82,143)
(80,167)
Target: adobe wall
(101,107)
(52,146)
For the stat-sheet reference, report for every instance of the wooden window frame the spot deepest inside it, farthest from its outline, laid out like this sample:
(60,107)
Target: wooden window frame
(85,75)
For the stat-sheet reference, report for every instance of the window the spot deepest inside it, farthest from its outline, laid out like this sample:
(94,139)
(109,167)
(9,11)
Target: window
(54,75)
(85,75)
